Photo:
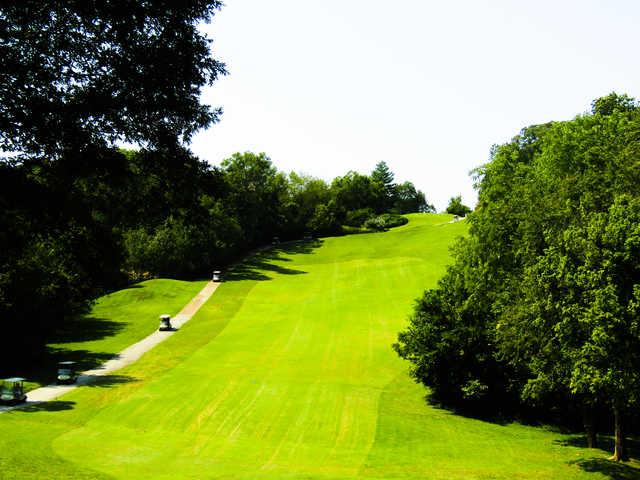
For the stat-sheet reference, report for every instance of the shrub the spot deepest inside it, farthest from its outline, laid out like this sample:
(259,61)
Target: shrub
(357,218)
(324,220)
(385,221)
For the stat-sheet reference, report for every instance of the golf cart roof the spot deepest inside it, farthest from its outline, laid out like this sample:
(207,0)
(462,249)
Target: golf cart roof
(14,379)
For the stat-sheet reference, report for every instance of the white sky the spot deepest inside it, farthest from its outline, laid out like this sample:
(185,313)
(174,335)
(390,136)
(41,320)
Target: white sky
(328,86)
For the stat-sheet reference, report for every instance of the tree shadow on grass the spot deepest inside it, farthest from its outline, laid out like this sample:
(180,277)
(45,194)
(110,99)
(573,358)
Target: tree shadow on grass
(45,372)
(104,381)
(304,247)
(85,329)
(605,444)
(487,413)
(51,406)
(613,470)
(256,266)
(83,381)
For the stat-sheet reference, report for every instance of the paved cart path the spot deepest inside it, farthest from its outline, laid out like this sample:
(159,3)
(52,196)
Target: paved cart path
(125,357)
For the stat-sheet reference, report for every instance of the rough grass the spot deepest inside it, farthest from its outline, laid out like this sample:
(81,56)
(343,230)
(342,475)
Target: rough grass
(287,372)
(115,321)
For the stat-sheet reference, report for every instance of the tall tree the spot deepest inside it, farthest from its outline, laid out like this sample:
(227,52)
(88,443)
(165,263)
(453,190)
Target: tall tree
(256,193)
(77,77)
(549,276)
(383,175)
(355,191)
(79,73)
(408,199)
(456,207)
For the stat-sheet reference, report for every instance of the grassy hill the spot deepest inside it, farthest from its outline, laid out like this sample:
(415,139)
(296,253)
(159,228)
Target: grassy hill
(114,322)
(287,372)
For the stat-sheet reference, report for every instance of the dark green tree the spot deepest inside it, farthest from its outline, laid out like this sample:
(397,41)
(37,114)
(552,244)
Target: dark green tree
(408,199)
(355,191)
(79,73)
(456,207)
(257,192)
(305,194)
(548,279)
(78,77)
(325,219)
(383,175)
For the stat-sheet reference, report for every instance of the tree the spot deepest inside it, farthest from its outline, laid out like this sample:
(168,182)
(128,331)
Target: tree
(305,194)
(456,207)
(78,73)
(256,193)
(354,191)
(572,306)
(450,339)
(77,77)
(383,175)
(548,279)
(583,298)
(410,200)
(613,103)
(325,220)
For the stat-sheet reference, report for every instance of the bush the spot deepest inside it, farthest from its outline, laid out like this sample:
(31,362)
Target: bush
(392,220)
(324,220)
(456,207)
(385,221)
(357,218)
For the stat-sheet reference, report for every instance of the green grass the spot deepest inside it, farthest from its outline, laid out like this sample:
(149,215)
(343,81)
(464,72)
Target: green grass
(114,322)
(287,372)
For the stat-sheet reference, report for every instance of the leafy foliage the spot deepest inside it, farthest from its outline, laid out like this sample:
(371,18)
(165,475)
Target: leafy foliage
(77,74)
(385,221)
(456,207)
(357,218)
(408,199)
(78,216)
(77,78)
(548,282)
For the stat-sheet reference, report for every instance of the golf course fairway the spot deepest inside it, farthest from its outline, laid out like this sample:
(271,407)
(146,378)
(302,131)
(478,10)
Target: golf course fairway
(288,372)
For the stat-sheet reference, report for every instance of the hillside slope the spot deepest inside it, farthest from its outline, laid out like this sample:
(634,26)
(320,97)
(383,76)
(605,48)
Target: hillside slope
(287,372)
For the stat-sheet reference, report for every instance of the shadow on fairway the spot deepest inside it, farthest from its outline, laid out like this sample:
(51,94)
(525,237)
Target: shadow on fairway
(254,268)
(605,443)
(45,371)
(486,413)
(85,329)
(106,381)
(613,470)
(52,406)
(84,381)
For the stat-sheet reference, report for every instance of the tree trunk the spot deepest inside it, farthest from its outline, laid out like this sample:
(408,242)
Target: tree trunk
(589,427)
(619,453)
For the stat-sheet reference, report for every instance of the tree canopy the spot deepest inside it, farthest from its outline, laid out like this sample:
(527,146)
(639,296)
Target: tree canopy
(80,216)
(77,78)
(456,207)
(79,73)
(542,299)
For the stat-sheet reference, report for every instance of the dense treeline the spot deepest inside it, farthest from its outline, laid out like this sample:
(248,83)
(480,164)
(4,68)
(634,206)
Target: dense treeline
(69,235)
(542,302)
(456,207)
(79,216)
(77,78)
(201,216)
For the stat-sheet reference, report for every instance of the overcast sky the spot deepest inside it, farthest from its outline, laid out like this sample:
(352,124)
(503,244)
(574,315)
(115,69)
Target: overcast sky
(328,86)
